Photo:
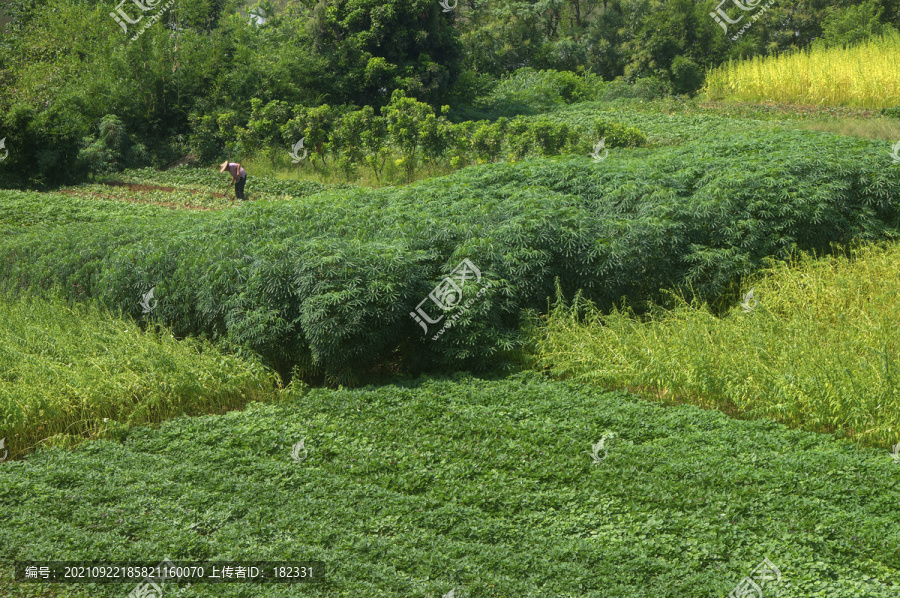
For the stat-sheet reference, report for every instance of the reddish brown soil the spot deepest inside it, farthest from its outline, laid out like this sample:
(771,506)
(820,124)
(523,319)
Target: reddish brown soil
(136,187)
(130,200)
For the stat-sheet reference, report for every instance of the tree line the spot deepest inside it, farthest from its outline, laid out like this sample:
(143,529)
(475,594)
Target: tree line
(66,65)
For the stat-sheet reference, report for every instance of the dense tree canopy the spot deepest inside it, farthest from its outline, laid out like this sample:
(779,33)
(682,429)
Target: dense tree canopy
(183,75)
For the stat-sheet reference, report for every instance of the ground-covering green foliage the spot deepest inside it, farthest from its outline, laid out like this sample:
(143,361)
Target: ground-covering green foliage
(488,486)
(69,372)
(674,120)
(758,360)
(617,135)
(213,181)
(21,210)
(154,194)
(663,122)
(328,282)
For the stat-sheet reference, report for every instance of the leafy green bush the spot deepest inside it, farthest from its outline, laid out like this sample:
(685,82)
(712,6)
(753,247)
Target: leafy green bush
(645,88)
(540,137)
(112,150)
(43,145)
(848,25)
(892,112)
(687,76)
(530,91)
(488,140)
(328,282)
(619,135)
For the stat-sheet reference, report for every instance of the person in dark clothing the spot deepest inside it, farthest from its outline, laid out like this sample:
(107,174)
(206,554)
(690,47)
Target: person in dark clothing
(238,177)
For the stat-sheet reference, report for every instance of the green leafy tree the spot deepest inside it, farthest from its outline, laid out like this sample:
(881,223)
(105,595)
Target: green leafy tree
(377,46)
(437,135)
(619,135)
(375,141)
(405,118)
(264,126)
(112,149)
(487,140)
(315,126)
(853,24)
(686,77)
(349,139)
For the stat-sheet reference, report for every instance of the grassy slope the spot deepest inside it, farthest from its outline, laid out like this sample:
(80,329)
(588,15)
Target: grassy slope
(759,363)
(407,488)
(69,372)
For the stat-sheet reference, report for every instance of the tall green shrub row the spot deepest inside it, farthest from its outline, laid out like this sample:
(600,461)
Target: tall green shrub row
(328,282)
(356,137)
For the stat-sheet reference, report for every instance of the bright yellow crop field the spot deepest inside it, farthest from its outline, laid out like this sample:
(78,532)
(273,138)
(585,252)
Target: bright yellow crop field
(865,75)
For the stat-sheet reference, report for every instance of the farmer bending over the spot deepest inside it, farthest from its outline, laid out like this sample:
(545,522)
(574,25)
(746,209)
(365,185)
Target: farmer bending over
(238,177)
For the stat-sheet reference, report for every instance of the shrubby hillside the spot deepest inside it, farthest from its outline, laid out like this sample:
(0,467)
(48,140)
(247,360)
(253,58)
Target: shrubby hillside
(327,282)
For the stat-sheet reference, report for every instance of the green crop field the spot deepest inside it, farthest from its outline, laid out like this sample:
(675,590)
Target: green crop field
(486,486)
(558,299)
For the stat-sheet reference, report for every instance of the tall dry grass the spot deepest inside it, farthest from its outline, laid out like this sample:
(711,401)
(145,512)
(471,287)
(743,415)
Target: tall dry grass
(864,75)
(819,351)
(75,372)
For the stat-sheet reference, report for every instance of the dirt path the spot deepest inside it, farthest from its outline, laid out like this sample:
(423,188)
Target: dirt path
(138,187)
(143,189)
